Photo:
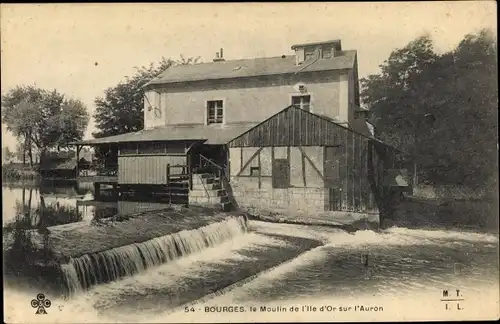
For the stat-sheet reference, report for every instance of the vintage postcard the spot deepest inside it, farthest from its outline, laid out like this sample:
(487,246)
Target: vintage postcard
(250,162)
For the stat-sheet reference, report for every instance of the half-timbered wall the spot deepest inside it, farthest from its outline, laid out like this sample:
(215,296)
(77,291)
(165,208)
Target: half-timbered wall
(255,165)
(257,181)
(328,162)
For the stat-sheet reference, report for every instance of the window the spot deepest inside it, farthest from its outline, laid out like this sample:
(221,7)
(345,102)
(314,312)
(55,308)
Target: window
(128,148)
(151,148)
(215,112)
(303,102)
(176,148)
(309,52)
(254,171)
(327,52)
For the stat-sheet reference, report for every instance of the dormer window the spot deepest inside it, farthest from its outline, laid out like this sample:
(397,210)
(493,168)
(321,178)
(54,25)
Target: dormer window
(324,50)
(328,52)
(309,53)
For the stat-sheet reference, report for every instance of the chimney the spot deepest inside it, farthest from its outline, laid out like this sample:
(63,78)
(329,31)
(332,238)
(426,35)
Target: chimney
(219,58)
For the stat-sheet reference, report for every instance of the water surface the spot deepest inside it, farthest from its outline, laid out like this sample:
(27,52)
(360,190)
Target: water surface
(401,271)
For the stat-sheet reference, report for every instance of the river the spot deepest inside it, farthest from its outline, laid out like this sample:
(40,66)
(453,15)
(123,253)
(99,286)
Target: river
(263,274)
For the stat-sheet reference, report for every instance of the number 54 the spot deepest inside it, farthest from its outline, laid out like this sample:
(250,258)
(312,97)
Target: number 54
(187,309)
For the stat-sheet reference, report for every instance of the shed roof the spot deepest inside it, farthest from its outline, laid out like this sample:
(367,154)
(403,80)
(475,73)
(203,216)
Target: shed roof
(295,126)
(210,134)
(60,164)
(251,67)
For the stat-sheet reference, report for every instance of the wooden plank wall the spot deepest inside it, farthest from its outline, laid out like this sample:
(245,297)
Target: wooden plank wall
(346,172)
(291,127)
(150,169)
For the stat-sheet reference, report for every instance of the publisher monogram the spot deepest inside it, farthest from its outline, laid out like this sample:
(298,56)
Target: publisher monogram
(41,303)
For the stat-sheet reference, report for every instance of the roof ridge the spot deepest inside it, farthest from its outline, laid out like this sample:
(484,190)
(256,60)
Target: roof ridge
(242,59)
(250,67)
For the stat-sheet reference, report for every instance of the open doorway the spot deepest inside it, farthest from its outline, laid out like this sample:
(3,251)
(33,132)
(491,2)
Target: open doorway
(204,158)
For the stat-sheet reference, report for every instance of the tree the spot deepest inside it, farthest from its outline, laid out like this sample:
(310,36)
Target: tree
(42,119)
(440,109)
(121,109)
(19,117)
(392,95)
(8,155)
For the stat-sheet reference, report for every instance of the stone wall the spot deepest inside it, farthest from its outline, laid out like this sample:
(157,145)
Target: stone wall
(311,200)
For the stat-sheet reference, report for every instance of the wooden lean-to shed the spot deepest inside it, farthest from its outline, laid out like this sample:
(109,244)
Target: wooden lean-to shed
(302,161)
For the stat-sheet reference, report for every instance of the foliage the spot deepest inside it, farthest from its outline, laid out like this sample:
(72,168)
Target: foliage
(49,215)
(17,171)
(43,119)
(440,108)
(7,154)
(121,109)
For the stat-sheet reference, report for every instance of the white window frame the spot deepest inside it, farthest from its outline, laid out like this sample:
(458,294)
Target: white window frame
(223,111)
(299,94)
(331,51)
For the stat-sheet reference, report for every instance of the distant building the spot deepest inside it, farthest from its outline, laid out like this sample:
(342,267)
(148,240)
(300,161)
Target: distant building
(283,132)
(64,165)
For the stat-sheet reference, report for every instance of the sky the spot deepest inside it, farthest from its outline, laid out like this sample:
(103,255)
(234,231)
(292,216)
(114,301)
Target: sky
(57,46)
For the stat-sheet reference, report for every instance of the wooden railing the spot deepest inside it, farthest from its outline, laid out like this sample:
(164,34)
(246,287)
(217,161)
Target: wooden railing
(212,167)
(179,172)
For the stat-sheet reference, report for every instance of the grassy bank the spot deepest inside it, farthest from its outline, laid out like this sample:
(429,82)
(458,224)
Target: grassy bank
(19,171)
(36,254)
(76,239)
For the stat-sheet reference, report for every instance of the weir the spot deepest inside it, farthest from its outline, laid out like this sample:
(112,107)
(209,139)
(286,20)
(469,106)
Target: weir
(91,269)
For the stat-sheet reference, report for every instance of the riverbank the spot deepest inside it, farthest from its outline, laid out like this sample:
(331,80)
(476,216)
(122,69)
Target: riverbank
(19,171)
(450,213)
(76,239)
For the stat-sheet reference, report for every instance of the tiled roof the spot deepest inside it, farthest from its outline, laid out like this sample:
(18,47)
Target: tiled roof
(252,67)
(211,134)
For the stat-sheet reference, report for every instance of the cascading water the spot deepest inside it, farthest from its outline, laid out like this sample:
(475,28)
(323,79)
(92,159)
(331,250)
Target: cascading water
(91,269)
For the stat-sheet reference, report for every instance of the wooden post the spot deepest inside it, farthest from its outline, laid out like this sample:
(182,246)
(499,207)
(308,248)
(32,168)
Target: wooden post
(415,176)
(97,189)
(78,148)
(228,168)
(168,174)
(260,171)
(24,201)
(190,171)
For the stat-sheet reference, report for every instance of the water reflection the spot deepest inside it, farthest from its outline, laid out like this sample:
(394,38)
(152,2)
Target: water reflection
(42,205)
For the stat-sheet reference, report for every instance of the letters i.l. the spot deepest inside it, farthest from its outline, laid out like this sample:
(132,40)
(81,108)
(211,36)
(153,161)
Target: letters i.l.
(458,306)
